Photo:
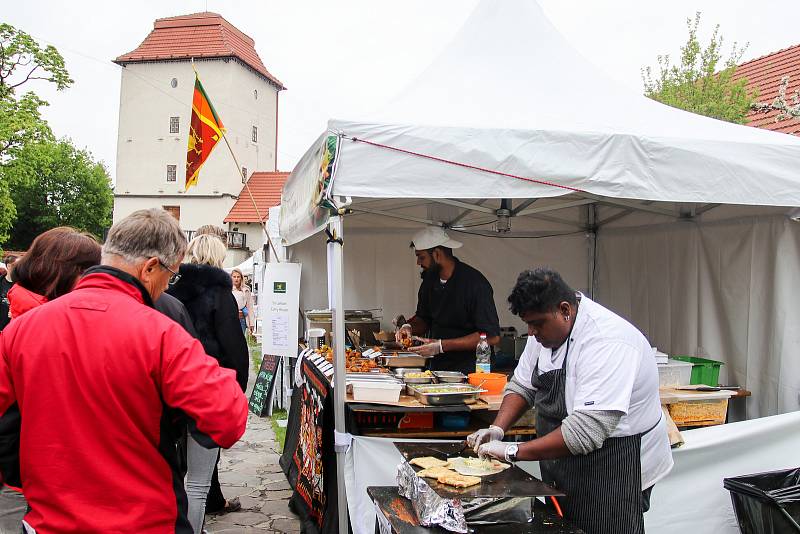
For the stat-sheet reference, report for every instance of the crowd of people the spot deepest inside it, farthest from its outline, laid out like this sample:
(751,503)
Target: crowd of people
(122,375)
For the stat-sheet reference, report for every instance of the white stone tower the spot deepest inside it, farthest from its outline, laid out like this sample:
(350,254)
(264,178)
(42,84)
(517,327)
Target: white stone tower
(155,109)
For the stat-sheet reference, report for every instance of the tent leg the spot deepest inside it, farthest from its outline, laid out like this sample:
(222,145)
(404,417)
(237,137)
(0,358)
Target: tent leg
(336,304)
(591,224)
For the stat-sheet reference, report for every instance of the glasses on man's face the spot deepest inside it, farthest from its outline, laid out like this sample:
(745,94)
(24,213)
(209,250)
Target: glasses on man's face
(175,276)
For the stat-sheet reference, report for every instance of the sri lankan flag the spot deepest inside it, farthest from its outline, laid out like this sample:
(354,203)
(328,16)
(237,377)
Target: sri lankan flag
(205,131)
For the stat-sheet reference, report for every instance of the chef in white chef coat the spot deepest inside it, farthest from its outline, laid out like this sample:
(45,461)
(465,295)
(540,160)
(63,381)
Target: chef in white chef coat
(592,377)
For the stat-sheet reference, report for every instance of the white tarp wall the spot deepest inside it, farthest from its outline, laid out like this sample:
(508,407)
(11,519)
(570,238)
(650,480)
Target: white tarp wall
(726,287)
(380,269)
(729,287)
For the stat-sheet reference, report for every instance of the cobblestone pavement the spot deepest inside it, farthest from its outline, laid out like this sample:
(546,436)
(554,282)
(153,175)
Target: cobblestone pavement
(249,470)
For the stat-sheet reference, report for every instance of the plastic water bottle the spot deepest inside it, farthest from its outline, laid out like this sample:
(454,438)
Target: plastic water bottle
(482,356)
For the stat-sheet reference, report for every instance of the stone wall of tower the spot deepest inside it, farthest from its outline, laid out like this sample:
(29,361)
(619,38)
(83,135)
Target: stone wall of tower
(151,94)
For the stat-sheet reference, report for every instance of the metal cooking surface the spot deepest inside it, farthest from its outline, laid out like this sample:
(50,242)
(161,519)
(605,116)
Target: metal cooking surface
(513,482)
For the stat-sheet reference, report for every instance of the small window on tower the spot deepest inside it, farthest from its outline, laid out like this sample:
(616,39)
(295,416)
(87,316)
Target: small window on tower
(174,125)
(255,134)
(255,94)
(244,174)
(172,173)
(174,82)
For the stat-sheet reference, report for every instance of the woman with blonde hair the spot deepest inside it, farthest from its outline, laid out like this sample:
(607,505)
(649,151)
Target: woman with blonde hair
(205,290)
(244,300)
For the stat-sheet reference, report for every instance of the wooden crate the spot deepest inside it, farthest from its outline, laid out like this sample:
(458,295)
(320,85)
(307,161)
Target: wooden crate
(699,412)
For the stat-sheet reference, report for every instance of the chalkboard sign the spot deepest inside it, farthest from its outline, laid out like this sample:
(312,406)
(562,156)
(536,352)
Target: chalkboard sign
(265,382)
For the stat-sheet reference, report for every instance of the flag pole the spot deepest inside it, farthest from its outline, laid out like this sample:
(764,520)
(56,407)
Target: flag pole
(241,174)
(250,194)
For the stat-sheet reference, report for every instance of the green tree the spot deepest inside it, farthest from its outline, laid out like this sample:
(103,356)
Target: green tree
(23,60)
(52,183)
(702,82)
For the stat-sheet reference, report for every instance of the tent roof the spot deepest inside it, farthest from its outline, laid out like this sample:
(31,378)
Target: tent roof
(511,110)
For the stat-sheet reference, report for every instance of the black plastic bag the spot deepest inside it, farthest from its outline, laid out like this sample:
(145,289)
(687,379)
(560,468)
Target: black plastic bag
(766,503)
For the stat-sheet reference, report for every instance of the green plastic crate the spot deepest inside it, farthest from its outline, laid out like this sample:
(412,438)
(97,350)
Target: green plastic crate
(705,371)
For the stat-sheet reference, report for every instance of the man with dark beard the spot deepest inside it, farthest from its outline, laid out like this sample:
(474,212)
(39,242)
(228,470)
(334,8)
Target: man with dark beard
(455,305)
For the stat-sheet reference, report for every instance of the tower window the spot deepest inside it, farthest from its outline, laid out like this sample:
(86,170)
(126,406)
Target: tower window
(255,94)
(174,82)
(174,125)
(244,174)
(255,134)
(172,173)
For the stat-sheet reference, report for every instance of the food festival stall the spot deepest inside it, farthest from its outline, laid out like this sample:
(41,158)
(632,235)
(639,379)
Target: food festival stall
(543,155)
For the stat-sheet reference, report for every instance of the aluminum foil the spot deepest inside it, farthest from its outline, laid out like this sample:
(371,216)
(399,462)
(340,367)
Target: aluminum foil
(431,509)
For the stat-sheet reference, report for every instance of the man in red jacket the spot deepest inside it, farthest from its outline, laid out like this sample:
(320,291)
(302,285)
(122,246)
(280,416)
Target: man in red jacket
(99,376)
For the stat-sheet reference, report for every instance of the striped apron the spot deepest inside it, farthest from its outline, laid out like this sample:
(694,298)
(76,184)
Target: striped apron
(604,487)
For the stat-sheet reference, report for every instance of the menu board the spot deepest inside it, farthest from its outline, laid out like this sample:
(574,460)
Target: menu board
(265,383)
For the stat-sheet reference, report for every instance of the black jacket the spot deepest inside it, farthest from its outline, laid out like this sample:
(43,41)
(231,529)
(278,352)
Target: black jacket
(206,293)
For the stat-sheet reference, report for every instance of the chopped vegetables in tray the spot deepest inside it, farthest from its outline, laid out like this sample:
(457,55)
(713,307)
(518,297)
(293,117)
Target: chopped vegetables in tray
(445,389)
(425,374)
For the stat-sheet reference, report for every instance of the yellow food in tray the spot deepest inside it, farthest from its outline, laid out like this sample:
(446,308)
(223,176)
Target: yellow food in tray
(426,462)
(424,374)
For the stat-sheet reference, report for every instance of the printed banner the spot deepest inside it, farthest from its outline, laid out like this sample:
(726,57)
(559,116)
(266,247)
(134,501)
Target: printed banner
(306,199)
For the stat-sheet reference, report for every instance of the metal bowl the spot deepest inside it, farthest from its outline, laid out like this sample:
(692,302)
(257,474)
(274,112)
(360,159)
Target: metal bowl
(450,377)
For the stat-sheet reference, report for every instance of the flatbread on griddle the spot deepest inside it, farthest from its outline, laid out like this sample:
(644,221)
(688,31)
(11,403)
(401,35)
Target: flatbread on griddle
(435,472)
(459,481)
(475,467)
(427,462)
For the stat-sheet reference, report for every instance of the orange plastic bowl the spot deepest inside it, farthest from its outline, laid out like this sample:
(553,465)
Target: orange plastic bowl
(493,383)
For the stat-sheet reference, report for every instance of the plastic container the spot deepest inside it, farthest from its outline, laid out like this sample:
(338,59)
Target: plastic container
(452,420)
(766,503)
(374,391)
(705,371)
(493,383)
(674,373)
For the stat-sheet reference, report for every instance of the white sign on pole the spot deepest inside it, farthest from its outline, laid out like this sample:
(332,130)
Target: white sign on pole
(280,302)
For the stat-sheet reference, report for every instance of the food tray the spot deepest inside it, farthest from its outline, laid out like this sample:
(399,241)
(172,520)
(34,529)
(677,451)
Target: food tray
(399,372)
(450,377)
(712,411)
(446,394)
(402,359)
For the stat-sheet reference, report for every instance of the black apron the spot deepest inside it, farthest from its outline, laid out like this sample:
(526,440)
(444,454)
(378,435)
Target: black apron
(604,487)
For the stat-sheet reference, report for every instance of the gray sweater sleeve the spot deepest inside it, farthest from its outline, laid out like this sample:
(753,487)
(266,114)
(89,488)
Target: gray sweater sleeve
(515,386)
(585,431)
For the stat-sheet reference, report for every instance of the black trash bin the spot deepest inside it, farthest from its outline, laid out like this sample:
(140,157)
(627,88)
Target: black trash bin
(766,503)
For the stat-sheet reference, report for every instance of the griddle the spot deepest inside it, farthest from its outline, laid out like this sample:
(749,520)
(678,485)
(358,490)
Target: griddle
(511,482)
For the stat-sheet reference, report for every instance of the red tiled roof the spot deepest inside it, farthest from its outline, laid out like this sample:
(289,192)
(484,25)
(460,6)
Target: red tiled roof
(765,74)
(200,35)
(266,188)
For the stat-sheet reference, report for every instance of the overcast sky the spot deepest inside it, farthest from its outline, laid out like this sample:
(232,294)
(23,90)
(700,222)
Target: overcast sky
(345,57)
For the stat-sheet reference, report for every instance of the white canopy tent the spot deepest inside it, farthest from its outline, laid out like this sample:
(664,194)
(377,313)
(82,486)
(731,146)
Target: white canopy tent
(510,126)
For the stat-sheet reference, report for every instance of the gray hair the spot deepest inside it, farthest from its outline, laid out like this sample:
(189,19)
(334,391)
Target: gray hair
(206,249)
(147,234)
(211,229)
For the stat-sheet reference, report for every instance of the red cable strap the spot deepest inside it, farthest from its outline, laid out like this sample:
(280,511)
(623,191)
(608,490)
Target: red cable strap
(465,165)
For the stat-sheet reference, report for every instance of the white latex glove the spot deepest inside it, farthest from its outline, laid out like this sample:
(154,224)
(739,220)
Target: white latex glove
(429,349)
(404,329)
(494,449)
(484,435)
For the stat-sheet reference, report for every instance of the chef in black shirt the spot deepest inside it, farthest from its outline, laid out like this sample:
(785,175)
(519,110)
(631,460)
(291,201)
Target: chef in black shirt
(455,305)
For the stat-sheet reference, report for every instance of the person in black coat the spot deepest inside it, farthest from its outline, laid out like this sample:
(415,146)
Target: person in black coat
(205,290)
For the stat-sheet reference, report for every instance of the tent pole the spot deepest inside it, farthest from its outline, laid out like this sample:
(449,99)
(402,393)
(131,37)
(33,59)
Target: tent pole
(591,227)
(336,304)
